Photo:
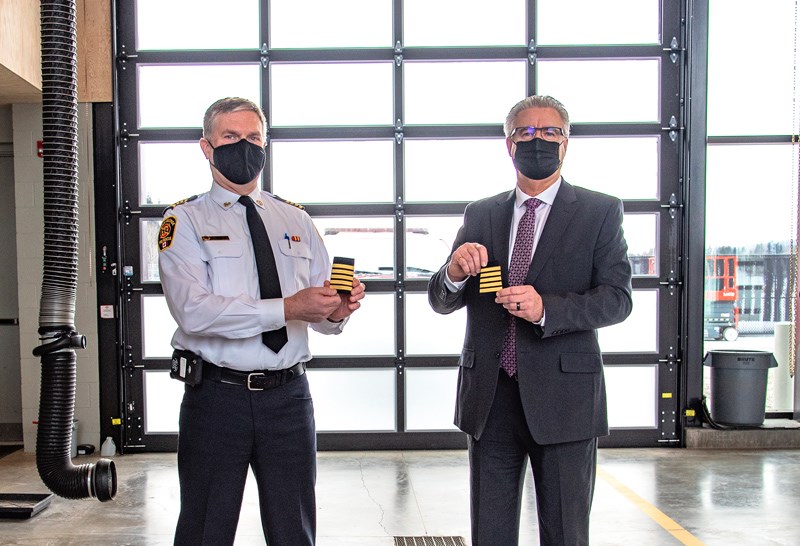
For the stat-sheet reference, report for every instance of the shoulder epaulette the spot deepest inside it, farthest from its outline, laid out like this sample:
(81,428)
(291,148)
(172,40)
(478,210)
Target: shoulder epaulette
(181,202)
(282,200)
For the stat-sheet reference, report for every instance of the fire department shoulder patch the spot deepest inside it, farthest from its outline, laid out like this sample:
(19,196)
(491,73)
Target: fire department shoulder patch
(167,233)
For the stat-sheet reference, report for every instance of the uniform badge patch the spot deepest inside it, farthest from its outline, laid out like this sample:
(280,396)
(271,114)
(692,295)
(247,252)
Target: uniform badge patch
(167,233)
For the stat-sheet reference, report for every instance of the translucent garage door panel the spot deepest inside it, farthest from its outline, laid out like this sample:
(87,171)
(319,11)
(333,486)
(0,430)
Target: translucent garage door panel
(605,90)
(162,402)
(593,162)
(429,333)
(486,90)
(157,327)
(197,24)
(178,95)
(149,250)
(341,171)
(353,400)
(171,171)
(641,234)
(352,94)
(428,243)
(368,240)
(639,332)
(463,22)
(430,398)
(368,332)
(632,396)
(589,22)
(429,175)
(343,23)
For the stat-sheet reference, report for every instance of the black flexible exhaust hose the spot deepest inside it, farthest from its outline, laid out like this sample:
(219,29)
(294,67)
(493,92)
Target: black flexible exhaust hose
(60,275)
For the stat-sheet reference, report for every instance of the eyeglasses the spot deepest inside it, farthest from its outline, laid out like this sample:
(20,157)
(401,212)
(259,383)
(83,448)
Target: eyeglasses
(526,134)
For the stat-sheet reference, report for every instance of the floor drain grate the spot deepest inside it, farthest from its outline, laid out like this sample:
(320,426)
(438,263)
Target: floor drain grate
(429,541)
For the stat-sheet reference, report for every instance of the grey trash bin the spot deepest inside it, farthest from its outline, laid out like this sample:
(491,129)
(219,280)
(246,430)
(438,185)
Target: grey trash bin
(739,385)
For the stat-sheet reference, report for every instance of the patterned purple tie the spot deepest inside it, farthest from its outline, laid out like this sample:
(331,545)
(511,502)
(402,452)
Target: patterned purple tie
(520,263)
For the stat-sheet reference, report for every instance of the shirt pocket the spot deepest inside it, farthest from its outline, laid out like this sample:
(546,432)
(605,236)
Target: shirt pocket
(295,264)
(221,249)
(225,273)
(296,250)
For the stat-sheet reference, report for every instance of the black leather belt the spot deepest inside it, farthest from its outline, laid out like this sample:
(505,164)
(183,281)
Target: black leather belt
(254,381)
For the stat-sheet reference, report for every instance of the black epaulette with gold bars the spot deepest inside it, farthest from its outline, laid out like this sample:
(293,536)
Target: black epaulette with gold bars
(176,203)
(282,200)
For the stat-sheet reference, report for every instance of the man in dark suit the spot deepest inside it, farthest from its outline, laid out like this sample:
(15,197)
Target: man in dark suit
(530,382)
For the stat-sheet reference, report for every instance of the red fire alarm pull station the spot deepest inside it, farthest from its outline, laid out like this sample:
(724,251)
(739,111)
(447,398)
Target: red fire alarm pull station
(40,148)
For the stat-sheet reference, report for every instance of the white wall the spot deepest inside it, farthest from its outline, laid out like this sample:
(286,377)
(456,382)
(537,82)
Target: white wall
(29,197)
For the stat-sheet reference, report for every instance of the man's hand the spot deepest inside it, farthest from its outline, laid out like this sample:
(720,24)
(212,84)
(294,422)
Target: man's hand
(522,301)
(467,260)
(348,303)
(312,304)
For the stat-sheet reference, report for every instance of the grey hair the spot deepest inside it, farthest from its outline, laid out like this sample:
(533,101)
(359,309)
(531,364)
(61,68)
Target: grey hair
(228,105)
(536,101)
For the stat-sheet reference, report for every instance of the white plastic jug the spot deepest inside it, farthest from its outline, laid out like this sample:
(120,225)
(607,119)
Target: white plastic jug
(109,448)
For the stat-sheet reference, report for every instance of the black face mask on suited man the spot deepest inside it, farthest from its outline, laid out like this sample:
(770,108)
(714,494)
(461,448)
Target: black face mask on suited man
(239,162)
(537,159)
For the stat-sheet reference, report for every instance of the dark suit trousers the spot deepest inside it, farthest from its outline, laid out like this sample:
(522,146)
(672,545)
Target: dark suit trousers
(226,429)
(563,474)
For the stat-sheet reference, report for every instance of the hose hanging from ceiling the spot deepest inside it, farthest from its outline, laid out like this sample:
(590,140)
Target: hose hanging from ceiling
(60,272)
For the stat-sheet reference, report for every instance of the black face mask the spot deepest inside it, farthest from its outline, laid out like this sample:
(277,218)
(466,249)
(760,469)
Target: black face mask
(537,159)
(239,162)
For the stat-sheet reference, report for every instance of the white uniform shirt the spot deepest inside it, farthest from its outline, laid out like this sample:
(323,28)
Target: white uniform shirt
(208,272)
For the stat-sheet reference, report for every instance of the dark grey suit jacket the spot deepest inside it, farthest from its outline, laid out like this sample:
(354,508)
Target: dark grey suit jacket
(582,272)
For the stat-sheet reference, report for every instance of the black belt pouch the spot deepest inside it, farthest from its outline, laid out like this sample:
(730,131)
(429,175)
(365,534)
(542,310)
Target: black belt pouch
(187,367)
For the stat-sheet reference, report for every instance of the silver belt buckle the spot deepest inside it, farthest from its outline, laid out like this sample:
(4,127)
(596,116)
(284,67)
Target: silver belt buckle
(249,377)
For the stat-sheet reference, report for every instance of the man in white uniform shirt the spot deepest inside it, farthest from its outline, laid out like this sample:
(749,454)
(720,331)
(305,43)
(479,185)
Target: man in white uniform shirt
(247,402)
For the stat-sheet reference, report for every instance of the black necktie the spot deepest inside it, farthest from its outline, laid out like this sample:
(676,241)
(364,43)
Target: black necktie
(268,282)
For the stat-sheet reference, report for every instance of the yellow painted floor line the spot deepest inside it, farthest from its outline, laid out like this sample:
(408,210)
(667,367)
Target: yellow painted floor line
(684,536)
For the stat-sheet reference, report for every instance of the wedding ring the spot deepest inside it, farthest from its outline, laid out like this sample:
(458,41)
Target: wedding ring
(517,306)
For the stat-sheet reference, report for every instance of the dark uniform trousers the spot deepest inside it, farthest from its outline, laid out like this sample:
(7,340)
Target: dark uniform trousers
(224,430)
(563,474)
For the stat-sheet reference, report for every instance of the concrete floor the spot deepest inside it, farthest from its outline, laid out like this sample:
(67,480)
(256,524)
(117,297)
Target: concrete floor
(650,497)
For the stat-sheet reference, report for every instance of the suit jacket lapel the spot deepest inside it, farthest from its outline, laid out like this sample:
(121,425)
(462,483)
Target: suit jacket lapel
(500,220)
(559,218)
